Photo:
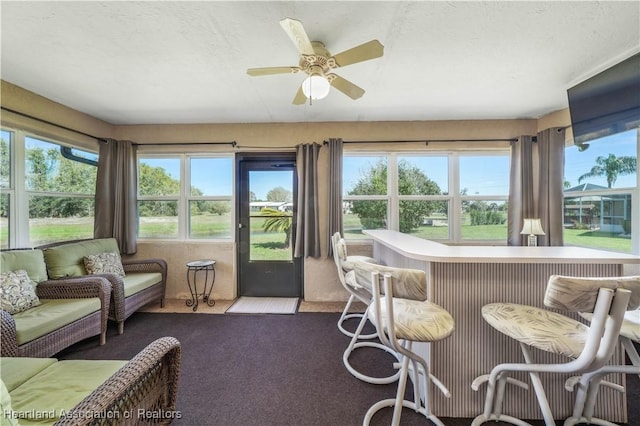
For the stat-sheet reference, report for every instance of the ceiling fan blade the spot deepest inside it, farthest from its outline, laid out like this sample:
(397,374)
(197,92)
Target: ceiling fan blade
(370,50)
(300,97)
(298,35)
(272,70)
(346,87)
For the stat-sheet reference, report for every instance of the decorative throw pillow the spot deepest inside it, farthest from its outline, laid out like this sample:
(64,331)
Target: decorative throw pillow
(104,263)
(17,292)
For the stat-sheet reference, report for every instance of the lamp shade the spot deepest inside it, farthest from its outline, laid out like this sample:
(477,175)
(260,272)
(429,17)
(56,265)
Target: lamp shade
(315,87)
(532,227)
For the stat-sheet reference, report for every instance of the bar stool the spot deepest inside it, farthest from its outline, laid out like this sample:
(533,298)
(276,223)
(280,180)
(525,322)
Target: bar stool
(588,347)
(362,293)
(400,322)
(344,264)
(585,401)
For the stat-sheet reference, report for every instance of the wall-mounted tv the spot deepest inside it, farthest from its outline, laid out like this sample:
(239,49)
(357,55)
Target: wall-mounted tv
(606,103)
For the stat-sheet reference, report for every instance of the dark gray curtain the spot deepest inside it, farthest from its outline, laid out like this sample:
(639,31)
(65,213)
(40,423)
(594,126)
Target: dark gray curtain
(551,185)
(307,230)
(115,210)
(334,199)
(521,200)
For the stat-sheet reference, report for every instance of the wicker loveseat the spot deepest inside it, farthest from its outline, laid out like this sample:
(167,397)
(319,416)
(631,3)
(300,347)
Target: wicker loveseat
(144,280)
(68,310)
(45,391)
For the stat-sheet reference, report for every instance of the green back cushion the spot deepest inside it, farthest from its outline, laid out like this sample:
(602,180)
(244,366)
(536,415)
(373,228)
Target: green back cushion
(67,260)
(31,261)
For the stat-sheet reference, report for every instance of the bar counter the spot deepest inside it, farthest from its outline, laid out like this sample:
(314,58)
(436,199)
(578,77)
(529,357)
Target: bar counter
(462,279)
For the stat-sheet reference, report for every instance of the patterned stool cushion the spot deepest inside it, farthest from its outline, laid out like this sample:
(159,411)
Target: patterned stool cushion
(347,264)
(415,320)
(630,325)
(536,327)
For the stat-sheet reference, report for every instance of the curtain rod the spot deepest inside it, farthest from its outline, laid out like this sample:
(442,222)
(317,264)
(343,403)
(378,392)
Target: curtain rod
(426,141)
(51,123)
(232,143)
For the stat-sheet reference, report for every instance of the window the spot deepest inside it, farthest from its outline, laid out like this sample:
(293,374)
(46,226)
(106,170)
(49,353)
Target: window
(45,196)
(484,191)
(442,196)
(185,196)
(365,201)
(601,193)
(60,193)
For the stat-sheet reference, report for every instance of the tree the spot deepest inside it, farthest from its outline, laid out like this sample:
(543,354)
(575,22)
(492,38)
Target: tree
(277,222)
(611,167)
(411,181)
(279,194)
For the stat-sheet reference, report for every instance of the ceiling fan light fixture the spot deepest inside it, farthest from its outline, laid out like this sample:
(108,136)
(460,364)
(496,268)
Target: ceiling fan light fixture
(315,87)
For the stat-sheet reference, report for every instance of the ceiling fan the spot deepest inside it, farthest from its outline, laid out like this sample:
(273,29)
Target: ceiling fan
(318,64)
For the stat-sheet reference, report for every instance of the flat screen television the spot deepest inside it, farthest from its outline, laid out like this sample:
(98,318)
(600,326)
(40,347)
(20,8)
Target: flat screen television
(606,103)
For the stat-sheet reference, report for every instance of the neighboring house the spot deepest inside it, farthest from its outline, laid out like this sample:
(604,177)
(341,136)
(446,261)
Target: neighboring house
(607,213)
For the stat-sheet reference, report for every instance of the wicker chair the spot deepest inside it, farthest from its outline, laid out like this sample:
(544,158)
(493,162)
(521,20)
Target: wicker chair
(123,307)
(142,391)
(63,337)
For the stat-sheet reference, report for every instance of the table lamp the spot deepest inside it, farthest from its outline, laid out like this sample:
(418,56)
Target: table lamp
(533,228)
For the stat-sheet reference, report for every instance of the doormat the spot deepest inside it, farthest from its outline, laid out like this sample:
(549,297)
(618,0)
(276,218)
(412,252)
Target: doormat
(264,305)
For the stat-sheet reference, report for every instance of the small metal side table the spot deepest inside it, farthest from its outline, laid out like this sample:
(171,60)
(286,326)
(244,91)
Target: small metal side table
(193,268)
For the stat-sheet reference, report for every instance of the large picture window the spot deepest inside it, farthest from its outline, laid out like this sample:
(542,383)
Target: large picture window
(185,197)
(46,195)
(601,193)
(453,197)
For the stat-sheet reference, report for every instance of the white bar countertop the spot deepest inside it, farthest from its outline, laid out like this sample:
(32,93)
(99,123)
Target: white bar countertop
(431,251)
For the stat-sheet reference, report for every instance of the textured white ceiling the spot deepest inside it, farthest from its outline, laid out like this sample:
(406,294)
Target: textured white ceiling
(185,62)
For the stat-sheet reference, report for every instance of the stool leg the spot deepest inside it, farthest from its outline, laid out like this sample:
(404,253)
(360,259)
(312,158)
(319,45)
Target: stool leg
(346,315)
(355,344)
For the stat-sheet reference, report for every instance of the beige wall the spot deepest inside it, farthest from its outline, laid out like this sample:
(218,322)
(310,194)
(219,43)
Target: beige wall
(321,281)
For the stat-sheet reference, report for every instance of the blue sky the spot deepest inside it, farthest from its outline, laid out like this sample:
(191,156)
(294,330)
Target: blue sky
(578,163)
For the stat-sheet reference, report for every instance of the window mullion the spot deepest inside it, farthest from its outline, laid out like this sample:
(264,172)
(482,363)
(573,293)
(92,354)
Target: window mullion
(21,200)
(183,199)
(393,206)
(455,208)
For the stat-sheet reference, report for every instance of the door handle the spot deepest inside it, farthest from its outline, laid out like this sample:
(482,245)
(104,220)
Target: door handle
(240,226)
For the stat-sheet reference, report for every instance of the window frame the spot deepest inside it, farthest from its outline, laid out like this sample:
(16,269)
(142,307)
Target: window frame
(453,196)
(19,224)
(184,197)
(634,192)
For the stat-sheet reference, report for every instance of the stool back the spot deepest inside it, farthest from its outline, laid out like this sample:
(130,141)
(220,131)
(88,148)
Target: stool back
(607,299)
(407,283)
(579,294)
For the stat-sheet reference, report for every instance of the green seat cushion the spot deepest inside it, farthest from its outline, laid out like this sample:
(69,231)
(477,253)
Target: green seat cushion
(17,370)
(67,260)
(6,411)
(31,261)
(51,315)
(61,386)
(137,281)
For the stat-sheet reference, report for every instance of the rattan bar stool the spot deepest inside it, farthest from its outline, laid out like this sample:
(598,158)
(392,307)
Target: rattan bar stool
(588,347)
(400,322)
(361,293)
(586,400)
